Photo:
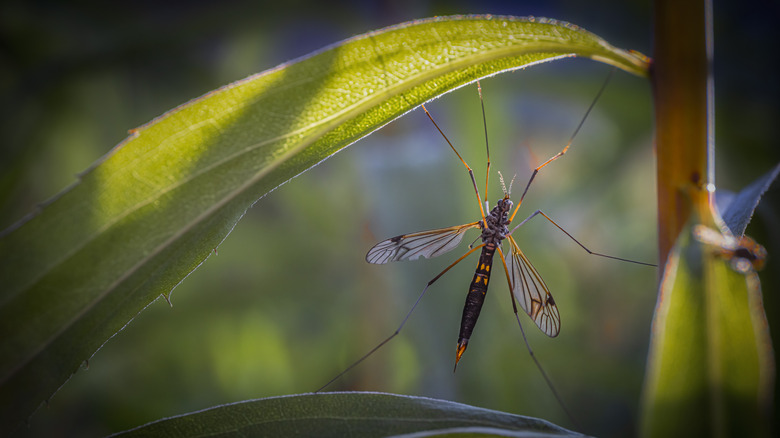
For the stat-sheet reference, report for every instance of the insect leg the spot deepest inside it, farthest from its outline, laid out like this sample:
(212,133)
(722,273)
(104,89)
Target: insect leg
(487,147)
(565,148)
(537,212)
(471,172)
(528,346)
(401,326)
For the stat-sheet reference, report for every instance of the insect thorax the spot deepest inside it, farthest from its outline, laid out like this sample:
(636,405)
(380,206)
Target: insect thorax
(494,229)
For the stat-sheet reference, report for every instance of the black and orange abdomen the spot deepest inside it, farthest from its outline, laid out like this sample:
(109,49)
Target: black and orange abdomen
(475,298)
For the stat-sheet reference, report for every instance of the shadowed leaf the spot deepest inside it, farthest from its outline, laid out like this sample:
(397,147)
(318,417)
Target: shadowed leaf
(349,414)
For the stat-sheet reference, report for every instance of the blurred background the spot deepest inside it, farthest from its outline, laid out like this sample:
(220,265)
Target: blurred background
(289,300)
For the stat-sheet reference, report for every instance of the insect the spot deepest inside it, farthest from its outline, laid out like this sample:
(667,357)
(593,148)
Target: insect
(744,253)
(525,283)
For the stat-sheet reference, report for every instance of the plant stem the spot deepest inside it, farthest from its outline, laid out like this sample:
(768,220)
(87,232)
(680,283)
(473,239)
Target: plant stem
(682,85)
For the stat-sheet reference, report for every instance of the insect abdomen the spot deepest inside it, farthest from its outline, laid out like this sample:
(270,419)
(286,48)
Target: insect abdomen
(475,298)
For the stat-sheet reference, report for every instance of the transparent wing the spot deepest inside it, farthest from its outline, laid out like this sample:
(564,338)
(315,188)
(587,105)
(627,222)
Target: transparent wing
(432,243)
(529,289)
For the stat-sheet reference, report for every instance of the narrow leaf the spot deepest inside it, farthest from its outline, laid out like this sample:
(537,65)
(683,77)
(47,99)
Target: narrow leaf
(349,414)
(737,209)
(711,363)
(148,213)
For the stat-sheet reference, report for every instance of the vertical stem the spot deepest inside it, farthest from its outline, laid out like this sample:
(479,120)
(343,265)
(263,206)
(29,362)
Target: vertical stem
(683,108)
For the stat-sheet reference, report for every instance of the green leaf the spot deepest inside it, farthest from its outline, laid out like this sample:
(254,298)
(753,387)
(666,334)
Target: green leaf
(711,366)
(360,414)
(148,213)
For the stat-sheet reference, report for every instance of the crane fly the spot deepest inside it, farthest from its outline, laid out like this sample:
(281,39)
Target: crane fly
(525,283)
(524,280)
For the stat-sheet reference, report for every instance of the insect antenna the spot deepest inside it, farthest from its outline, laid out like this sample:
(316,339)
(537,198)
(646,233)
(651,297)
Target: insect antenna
(503,186)
(509,192)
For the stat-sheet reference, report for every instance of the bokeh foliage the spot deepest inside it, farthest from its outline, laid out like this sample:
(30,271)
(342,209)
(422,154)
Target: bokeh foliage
(207,349)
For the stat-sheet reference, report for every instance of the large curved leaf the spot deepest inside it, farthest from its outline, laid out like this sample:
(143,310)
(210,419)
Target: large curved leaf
(153,209)
(349,414)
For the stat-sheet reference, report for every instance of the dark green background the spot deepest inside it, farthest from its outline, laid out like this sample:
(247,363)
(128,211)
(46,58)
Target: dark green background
(289,300)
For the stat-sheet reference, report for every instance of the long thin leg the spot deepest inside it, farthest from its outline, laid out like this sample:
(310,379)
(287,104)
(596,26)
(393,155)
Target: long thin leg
(401,326)
(537,212)
(565,148)
(487,147)
(471,172)
(528,345)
